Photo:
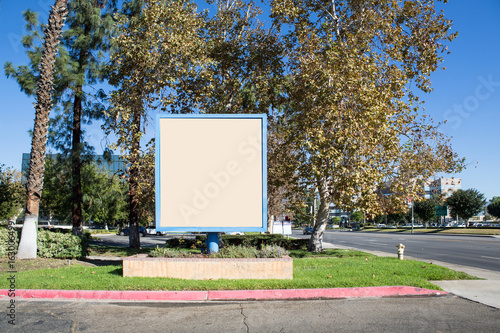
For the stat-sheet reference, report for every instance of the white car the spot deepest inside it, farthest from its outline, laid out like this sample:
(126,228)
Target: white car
(151,229)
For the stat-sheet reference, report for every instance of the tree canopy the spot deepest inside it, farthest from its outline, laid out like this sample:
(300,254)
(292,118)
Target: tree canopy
(353,116)
(425,209)
(465,204)
(11,193)
(494,207)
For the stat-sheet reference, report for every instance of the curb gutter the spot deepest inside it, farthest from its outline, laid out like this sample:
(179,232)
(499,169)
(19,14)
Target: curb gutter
(224,295)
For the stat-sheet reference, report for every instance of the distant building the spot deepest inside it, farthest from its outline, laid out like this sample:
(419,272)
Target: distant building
(112,163)
(443,187)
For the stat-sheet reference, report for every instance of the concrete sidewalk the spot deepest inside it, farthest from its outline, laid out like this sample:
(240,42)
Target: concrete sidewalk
(485,291)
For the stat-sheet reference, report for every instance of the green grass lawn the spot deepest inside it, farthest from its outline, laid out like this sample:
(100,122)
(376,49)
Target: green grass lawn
(333,268)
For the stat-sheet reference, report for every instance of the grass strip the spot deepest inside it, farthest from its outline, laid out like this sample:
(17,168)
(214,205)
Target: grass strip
(331,269)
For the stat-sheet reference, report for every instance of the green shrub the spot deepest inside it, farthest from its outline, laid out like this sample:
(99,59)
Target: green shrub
(50,244)
(165,252)
(231,251)
(240,251)
(260,241)
(5,233)
(257,241)
(273,251)
(180,242)
(236,251)
(61,245)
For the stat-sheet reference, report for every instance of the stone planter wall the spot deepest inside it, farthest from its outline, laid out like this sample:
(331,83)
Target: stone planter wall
(205,268)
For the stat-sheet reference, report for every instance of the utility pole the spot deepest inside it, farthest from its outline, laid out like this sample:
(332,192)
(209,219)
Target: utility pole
(412,218)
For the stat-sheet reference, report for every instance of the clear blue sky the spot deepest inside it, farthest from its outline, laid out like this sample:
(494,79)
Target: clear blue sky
(467,94)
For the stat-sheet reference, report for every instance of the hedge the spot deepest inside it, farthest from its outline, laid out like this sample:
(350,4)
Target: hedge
(49,244)
(257,241)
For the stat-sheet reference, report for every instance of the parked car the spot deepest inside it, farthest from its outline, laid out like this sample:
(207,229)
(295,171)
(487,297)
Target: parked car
(307,231)
(126,231)
(151,229)
(45,225)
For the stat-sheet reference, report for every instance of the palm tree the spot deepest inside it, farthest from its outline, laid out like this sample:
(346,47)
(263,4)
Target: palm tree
(52,36)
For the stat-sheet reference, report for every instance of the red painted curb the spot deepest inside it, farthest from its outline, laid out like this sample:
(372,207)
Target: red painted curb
(220,295)
(321,293)
(109,295)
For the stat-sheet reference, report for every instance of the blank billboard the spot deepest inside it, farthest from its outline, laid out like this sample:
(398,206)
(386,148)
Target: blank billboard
(211,173)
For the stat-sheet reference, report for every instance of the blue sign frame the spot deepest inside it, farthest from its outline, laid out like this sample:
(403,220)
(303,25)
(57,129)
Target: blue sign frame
(263,119)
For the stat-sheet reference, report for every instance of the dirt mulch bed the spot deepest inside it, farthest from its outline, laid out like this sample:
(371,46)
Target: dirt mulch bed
(39,263)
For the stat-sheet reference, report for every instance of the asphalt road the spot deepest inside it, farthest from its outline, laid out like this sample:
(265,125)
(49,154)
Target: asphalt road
(474,251)
(429,314)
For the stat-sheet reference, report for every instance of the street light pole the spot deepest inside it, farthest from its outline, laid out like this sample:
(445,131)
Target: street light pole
(412,219)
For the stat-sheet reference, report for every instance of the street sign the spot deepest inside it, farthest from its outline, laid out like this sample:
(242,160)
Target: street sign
(441,210)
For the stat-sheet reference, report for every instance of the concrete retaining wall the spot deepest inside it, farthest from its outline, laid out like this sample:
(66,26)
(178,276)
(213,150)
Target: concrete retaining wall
(204,268)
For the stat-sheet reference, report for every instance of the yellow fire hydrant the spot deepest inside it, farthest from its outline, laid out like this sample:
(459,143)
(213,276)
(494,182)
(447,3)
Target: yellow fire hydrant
(401,251)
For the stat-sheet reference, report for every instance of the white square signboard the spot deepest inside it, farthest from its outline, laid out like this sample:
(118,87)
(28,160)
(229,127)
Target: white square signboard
(211,173)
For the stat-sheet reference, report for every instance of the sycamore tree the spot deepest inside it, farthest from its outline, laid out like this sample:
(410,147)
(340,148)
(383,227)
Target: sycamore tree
(244,73)
(158,43)
(284,194)
(353,115)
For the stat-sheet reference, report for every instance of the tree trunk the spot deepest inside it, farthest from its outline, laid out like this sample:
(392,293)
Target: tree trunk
(134,240)
(52,33)
(76,148)
(76,164)
(270,223)
(316,241)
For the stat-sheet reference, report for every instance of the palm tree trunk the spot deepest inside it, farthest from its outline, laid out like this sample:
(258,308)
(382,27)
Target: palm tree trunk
(52,33)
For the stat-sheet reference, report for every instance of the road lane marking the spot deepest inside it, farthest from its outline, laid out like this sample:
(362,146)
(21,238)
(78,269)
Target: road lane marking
(490,257)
